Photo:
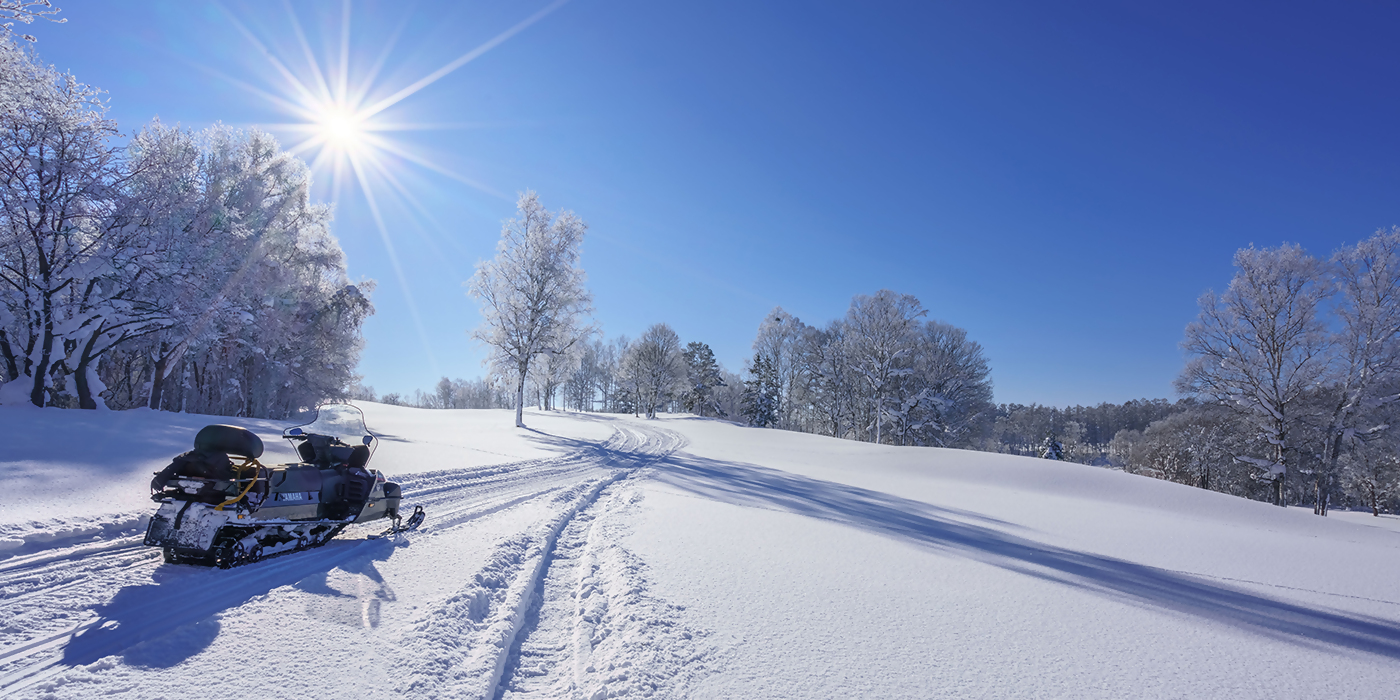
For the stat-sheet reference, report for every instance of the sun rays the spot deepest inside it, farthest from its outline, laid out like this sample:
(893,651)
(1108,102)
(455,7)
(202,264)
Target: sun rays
(340,118)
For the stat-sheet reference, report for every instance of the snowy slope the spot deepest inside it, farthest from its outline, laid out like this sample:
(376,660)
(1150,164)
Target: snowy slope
(606,556)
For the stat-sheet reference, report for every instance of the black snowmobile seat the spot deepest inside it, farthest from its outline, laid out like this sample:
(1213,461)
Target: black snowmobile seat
(230,439)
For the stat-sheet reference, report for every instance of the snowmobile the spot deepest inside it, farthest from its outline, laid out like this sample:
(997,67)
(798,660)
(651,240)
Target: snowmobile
(220,507)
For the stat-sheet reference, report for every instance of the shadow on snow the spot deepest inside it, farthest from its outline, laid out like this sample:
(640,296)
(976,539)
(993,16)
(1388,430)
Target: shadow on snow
(947,531)
(162,624)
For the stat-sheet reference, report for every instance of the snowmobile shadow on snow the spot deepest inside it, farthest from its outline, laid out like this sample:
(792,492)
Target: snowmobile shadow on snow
(352,593)
(162,624)
(948,531)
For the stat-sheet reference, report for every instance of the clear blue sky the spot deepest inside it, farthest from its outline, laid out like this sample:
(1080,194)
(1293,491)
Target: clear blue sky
(1061,179)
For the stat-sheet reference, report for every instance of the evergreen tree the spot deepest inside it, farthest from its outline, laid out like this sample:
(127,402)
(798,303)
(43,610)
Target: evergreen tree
(1052,448)
(761,392)
(702,376)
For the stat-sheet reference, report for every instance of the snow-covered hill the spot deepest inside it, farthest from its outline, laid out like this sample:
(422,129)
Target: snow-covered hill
(604,556)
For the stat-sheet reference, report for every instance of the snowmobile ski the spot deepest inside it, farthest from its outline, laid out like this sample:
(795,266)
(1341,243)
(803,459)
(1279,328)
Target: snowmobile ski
(398,527)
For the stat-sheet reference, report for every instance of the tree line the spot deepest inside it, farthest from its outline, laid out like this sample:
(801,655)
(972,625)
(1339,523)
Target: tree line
(183,270)
(1288,396)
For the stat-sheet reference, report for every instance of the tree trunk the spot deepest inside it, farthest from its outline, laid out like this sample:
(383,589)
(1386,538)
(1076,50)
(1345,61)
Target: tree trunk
(520,395)
(42,367)
(158,378)
(85,360)
(8,354)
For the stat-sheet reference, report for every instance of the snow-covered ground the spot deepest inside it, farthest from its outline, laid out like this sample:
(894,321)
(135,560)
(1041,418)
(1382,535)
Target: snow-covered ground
(605,556)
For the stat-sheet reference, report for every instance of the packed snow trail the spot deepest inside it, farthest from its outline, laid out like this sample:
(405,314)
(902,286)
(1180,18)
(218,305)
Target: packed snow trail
(460,648)
(595,631)
(603,556)
(68,608)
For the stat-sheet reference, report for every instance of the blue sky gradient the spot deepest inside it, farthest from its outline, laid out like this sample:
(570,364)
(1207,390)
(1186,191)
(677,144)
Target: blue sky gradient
(1061,179)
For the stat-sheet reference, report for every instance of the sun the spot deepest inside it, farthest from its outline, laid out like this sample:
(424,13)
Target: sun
(340,128)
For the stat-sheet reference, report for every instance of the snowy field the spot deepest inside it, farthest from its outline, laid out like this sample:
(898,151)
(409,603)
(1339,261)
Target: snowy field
(604,556)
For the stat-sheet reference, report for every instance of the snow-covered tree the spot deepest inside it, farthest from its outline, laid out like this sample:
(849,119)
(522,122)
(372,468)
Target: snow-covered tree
(779,337)
(1052,448)
(1367,348)
(880,330)
(830,377)
(1372,470)
(532,293)
(703,376)
(1261,346)
(761,399)
(655,367)
(728,397)
(551,371)
(1195,447)
(59,173)
(948,391)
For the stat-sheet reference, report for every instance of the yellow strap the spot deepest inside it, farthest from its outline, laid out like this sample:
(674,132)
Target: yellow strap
(240,467)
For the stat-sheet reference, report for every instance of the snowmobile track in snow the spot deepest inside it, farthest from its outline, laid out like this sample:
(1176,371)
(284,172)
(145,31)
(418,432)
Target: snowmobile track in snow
(49,633)
(461,647)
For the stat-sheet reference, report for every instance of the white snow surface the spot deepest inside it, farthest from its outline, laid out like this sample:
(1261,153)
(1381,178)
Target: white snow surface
(596,556)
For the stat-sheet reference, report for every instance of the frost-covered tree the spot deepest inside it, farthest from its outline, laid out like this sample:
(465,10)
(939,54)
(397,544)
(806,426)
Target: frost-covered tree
(1195,447)
(251,210)
(779,337)
(762,398)
(362,392)
(879,373)
(1372,470)
(1260,347)
(532,293)
(728,397)
(947,393)
(119,261)
(58,178)
(1366,346)
(655,367)
(703,376)
(551,371)
(880,330)
(25,12)
(1052,448)
(830,376)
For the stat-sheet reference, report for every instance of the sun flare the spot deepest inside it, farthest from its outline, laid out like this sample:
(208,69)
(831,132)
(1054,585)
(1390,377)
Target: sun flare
(340,128)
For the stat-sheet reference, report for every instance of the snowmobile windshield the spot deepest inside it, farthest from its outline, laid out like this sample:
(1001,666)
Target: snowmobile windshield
(337,420)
